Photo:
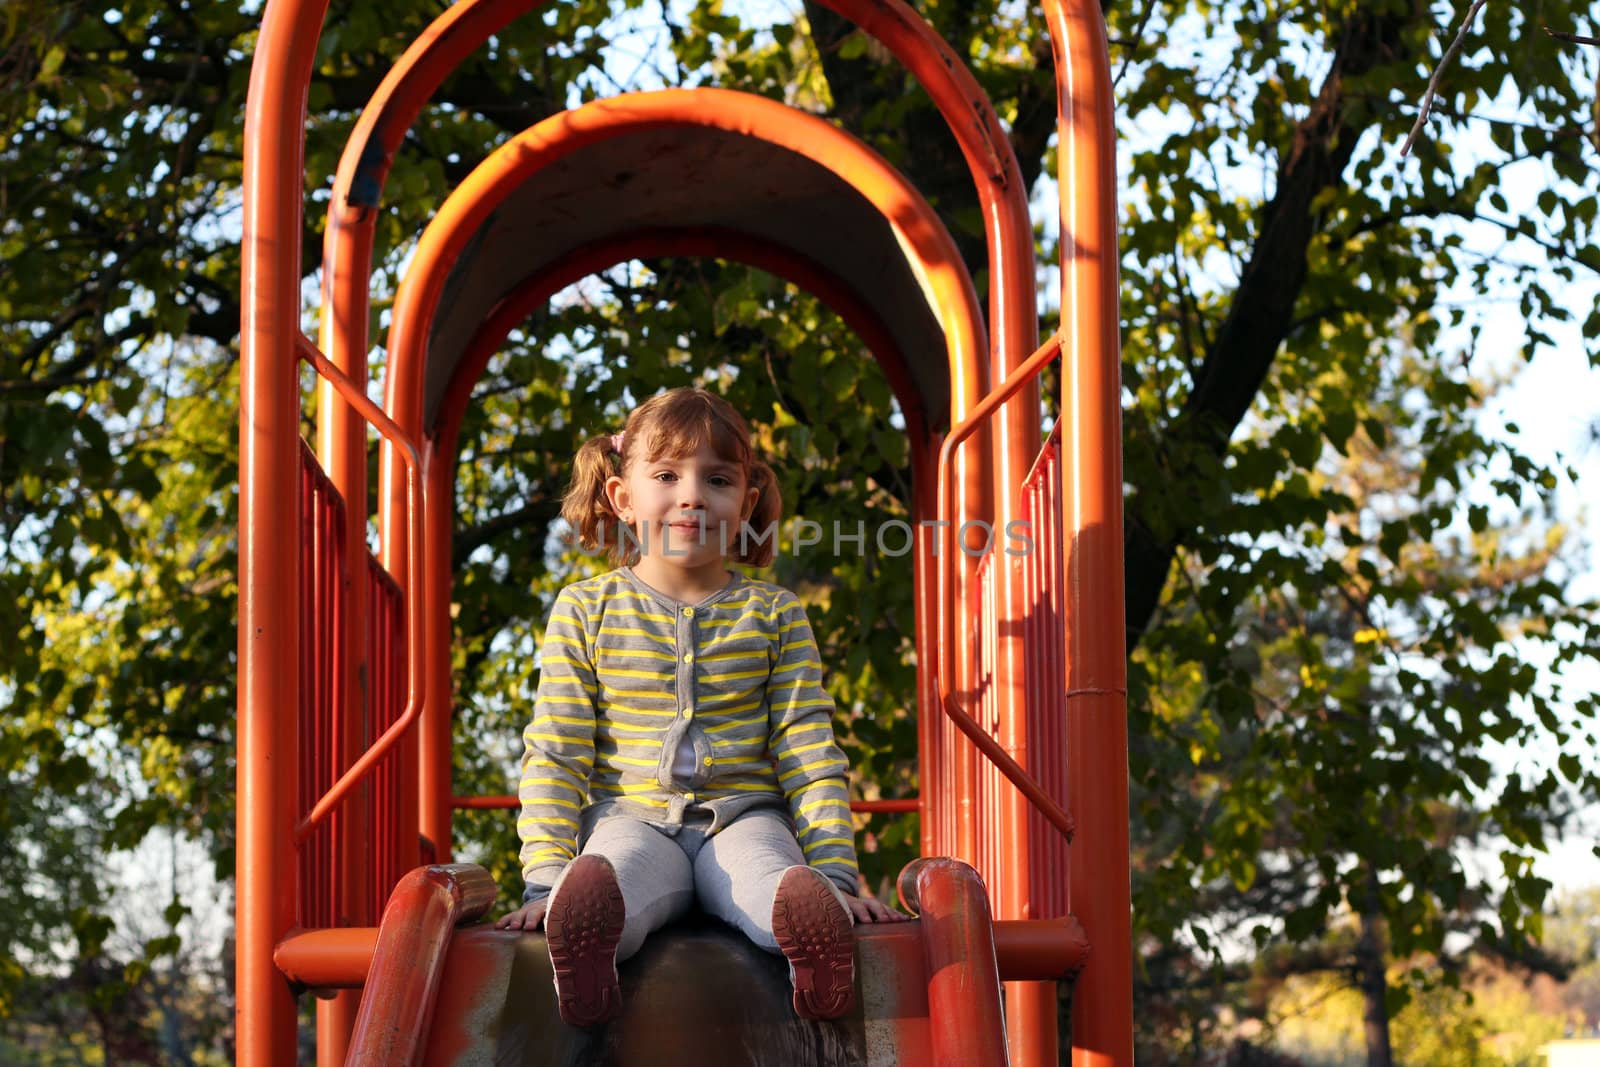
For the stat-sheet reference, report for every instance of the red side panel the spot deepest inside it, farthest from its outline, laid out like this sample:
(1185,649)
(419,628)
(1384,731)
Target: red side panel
(322,697)
(393,828)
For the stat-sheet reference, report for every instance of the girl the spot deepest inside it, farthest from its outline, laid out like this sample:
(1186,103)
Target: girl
(681,736)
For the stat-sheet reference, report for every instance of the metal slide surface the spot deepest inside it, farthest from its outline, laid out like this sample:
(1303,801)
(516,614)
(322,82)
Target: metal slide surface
(697,995)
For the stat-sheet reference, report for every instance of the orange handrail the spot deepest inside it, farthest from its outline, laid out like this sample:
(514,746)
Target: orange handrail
(408,960)
(965,1017)
(1014,772)
(412,458)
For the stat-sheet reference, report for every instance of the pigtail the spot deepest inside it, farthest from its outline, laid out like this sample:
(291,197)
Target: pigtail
(586,507)
(758,541)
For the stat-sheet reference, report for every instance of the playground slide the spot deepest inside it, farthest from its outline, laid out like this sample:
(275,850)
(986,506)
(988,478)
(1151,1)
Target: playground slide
(697,995)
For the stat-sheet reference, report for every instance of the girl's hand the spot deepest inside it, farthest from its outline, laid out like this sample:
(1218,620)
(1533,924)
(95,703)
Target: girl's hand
(527,917)
(872,910)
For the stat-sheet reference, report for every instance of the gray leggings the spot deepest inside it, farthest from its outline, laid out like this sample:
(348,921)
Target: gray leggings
(734,873)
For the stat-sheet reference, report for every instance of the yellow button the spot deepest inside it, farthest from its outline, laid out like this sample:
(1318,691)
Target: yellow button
(708,761)
(688,613)
(688,657)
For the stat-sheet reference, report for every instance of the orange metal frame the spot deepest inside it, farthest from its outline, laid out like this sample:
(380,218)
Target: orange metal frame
(418,469)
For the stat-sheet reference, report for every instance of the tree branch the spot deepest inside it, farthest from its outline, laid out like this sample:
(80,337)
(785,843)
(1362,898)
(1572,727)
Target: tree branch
(1260,314)
(1433,82)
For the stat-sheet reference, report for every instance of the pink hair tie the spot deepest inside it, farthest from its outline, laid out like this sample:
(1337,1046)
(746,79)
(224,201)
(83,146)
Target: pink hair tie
(616,443)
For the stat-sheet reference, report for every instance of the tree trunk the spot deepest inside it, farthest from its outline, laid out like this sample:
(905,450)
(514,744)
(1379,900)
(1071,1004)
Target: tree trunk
(1371,977)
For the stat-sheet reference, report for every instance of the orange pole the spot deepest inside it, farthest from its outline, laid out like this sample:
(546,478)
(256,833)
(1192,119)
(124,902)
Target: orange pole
(352,216)
(1031,1015)
(342,453)
(434,776)
(1014,440)
(925,578)
(1091,455)
(269,544)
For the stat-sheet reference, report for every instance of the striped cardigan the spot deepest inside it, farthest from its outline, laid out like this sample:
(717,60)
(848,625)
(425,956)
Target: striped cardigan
(626,674)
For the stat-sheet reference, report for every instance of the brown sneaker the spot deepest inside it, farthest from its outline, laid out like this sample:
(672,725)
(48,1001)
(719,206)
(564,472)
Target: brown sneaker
(814,933)
(582,927)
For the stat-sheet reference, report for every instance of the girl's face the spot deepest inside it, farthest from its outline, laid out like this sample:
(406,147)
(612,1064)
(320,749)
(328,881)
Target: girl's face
(686,513)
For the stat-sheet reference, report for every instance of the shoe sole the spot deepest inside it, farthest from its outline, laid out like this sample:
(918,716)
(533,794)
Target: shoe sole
(582,928)
(815,935)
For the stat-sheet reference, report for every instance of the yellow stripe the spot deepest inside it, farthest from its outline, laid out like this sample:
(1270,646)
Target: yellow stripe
(608,654)
(559,738)
(801,705)
(730,676)
(829,841)
(545,702)
(834,859)
(656,741)
(633,762)
(638,613)
(784,733)
(563,639)
(732,709)
(807,767)
(586,688)
(549,781)
(718,657)
(640,694)
(566,719)
(796,750)
(544,853)
(612,724)
(815,804)
(541,820)
(630,631)
(644,712)
(735,723)
(549,837)
(549,658)
(809,663)
(623,672)
(819,823)
(627,791)
(529,802)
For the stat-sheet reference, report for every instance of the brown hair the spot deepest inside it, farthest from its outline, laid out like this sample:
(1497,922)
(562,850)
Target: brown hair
(674,424)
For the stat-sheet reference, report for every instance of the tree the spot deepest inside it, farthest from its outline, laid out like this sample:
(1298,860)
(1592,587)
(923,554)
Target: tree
(1337,756)
(1272,246)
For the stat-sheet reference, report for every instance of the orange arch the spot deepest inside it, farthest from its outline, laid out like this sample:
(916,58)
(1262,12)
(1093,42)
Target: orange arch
(929,248)
(436,724)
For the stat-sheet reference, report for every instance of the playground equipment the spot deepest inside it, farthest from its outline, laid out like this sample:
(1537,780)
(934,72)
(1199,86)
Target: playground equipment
(344,700)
